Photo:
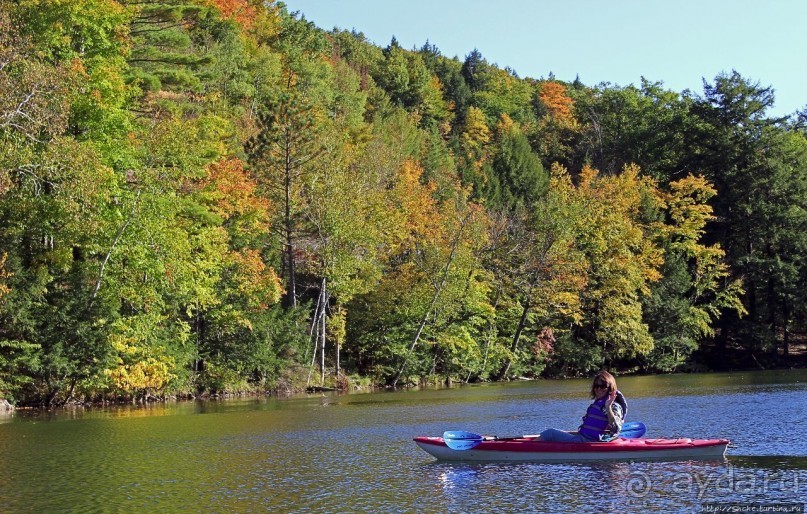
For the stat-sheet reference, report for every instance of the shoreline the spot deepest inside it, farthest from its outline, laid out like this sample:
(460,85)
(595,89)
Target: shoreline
(7,408)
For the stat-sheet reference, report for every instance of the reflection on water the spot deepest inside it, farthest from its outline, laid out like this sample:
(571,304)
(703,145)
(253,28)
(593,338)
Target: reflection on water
(341,453)
(613,486)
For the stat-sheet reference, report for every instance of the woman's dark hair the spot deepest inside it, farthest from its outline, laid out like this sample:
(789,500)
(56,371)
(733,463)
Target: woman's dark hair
(603,377)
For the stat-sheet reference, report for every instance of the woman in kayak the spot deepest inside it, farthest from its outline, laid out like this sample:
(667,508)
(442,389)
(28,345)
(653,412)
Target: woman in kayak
(603,419)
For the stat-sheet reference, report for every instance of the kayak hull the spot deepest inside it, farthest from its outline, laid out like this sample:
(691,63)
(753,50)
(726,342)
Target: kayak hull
(530,450)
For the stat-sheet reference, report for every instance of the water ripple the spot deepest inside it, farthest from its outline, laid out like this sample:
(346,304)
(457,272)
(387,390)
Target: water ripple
(355,454)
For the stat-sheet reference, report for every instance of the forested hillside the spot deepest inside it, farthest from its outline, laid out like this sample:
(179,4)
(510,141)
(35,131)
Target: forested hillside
(199,196)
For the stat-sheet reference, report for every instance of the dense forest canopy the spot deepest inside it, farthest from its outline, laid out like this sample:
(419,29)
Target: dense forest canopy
(216,195)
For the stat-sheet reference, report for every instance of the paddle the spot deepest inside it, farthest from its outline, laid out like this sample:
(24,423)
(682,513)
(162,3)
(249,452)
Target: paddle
(461,440)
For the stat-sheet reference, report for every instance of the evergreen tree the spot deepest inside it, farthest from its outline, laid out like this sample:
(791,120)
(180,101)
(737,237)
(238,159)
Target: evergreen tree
(733,145)
(165,56)
(518,172)
(474,70)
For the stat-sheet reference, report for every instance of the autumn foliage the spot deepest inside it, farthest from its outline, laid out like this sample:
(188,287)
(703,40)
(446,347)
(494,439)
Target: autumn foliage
(216,195)
(553,95)
(244,12)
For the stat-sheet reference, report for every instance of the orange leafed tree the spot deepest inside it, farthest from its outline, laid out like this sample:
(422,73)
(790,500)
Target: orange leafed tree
(231,193)
(242,11)
(553,96)
(257,282)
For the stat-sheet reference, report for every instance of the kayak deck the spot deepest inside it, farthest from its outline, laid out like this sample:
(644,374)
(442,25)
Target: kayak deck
(618,449)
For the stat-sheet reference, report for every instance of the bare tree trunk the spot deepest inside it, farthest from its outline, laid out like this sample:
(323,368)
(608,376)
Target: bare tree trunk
(292,293)
(322,326)
(415,341)
(339,344)
(489,337)
(522,322)
(313,357)
(437,290)
(111,248)
(314,325)
(314,333)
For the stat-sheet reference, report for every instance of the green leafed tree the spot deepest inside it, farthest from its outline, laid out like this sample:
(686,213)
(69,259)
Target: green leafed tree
(696,284)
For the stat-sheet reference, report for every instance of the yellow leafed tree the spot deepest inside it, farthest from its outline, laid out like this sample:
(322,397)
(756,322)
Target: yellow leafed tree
(623,258)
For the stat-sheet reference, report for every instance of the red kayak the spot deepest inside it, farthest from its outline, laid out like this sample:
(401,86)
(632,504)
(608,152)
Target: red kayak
(526,449)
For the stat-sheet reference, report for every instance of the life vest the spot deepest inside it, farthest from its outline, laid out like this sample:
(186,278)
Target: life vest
(595,422)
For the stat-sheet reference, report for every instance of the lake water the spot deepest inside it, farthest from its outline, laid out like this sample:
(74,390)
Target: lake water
(354,453)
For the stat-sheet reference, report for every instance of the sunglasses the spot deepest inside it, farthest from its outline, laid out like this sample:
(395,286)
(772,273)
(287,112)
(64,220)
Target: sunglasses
(600,385)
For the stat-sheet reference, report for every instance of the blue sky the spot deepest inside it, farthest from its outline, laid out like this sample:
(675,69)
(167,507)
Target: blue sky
(676,42)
